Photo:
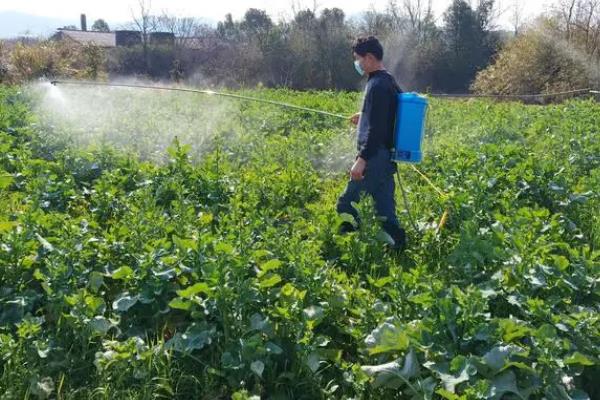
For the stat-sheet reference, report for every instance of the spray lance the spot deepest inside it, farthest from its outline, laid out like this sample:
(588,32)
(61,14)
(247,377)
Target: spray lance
(207,92)
(408,132)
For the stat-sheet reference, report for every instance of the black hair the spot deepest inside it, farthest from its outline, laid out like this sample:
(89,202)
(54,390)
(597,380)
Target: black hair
(363,45)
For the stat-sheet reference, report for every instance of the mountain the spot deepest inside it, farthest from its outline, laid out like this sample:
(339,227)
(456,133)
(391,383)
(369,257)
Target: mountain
(14,23)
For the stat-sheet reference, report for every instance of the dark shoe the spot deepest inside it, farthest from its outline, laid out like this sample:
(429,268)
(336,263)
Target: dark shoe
(399,240)
(346,227)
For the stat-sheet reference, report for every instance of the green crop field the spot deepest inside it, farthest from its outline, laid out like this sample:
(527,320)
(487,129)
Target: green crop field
(138,266)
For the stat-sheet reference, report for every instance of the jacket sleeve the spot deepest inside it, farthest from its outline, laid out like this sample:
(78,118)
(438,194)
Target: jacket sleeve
(376,110)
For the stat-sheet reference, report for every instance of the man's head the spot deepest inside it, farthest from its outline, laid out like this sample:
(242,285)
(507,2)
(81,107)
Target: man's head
(369,53)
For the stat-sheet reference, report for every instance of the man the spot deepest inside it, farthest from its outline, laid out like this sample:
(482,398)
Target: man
(373,170)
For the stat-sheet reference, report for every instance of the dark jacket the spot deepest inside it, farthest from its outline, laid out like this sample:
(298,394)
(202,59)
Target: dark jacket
(378,114)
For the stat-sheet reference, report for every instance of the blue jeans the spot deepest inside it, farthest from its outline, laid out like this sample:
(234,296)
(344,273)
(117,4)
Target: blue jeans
(378,182)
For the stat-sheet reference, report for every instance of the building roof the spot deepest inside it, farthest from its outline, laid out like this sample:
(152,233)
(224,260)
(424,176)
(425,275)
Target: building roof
(102,39)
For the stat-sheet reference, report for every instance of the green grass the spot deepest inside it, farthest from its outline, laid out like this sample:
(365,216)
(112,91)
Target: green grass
(218,273)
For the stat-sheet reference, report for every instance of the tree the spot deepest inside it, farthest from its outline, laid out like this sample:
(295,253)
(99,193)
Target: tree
(419,14)
(374,22)
(145,23)
(257,25)
(333,49)
(303,49)
(228,29)
(516,18)
(279,57)
(188,33)
(579,23)
(3,63)
(469,43)
(414,47)
(100,25)
(305,19)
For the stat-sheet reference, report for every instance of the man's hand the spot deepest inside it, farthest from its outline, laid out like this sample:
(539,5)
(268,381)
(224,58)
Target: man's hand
(354,119)
(358,169)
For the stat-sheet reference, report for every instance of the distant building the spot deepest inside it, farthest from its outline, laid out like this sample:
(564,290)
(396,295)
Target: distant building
(118,38)
(101,39)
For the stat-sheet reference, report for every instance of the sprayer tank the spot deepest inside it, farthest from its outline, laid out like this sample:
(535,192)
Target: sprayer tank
(410,127)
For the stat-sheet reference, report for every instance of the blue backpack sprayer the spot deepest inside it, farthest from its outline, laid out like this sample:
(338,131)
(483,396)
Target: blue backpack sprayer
(408,140)
(410,127)
(408,132)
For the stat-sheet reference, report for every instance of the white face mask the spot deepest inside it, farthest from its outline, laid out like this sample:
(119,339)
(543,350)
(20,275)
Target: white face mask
(358,68)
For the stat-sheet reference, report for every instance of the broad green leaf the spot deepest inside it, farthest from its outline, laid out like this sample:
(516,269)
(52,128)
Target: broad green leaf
(205,218)
(288,289)
(125,302)
(273,348)
(268,266)
(191,291)
(260,253)
(96,281)
(503,384)
(12,311)
(424,299)
(348,218)
(95,304)
(269,280)
(451,380)
(45,244)
(313,361)
(321,341)
(519,365)
(578,394)
(546,332)
(100,325)
(184,244)
(243,395)
(41,388)
(383,281)
(512,329)
(42,349)
(497,357)
(260,323)
(6,226)
(180,304)
(196,337)
(257,367)
(578,358)
(166,274)
(314,313)
(446,394)
(123,273)
(387,337)
(224,248)
(384,237)
(393,374)
(561,262)
(5,181)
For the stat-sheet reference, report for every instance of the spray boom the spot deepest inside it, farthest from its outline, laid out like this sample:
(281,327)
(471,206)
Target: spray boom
(207,92)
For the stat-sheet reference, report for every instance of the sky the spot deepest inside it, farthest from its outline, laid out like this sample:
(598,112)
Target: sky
(42,16)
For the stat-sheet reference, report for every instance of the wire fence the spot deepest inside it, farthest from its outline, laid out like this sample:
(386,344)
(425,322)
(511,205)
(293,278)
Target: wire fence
(528,98)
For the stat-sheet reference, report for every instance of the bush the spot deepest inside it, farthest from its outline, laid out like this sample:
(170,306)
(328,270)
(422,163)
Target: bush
(155,61)
(536,62)
(53,59)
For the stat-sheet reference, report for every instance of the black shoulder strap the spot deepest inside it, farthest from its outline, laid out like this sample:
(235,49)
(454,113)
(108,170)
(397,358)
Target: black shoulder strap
(398,88)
